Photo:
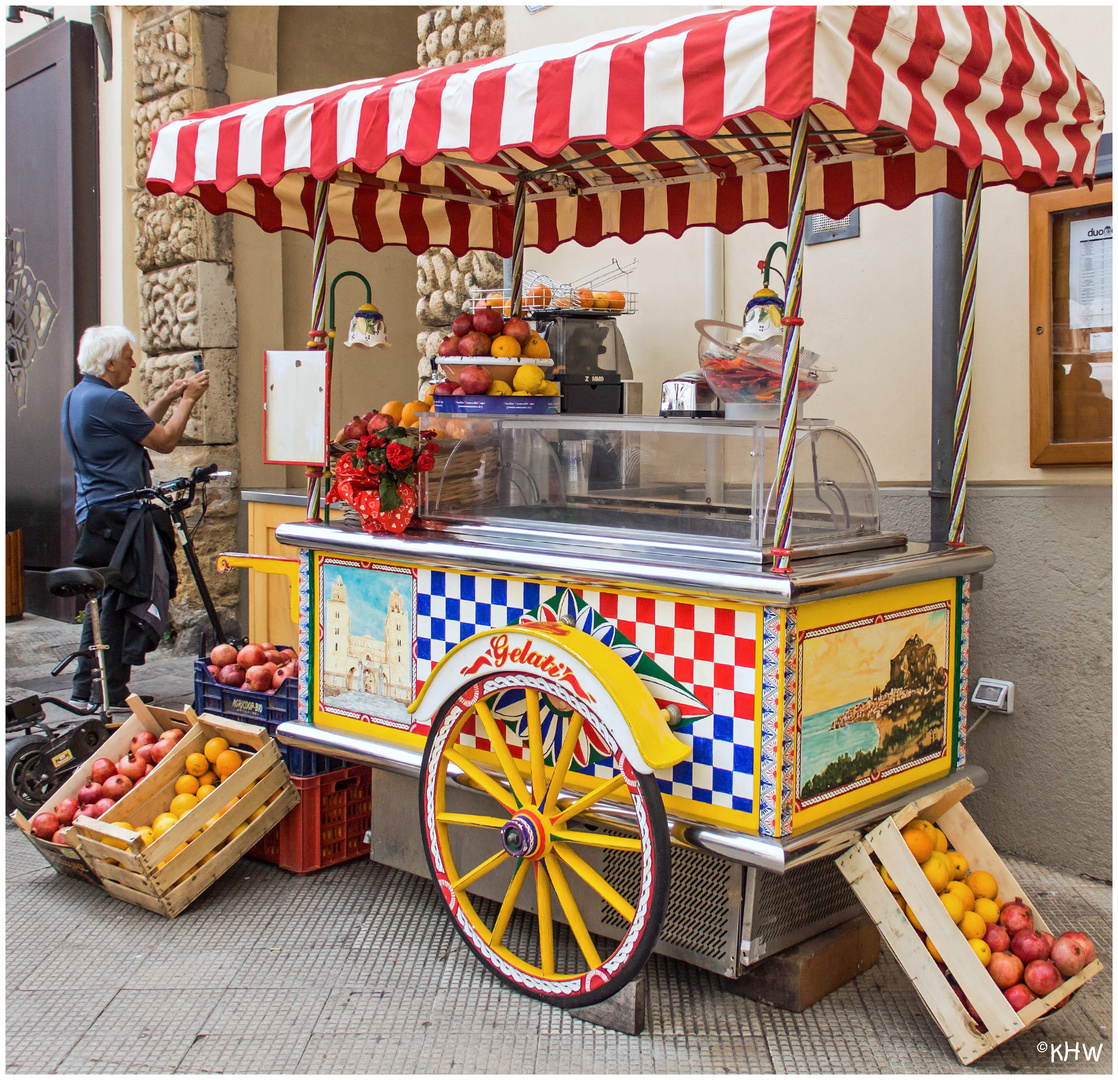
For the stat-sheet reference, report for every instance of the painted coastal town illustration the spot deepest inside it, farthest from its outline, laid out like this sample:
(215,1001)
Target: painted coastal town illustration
(367,667)
(874,700)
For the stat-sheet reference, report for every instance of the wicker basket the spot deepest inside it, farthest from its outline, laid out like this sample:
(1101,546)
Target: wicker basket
(468,476)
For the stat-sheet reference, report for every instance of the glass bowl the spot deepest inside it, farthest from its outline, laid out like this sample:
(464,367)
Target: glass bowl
(749,373)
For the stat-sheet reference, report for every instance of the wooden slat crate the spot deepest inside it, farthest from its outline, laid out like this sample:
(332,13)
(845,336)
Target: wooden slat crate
(161,878)
(886,842)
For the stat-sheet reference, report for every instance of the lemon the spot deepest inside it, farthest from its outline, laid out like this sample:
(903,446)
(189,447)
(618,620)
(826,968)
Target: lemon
(549,389)
(162,823)
(972,925)
(981,950)
(954,907)
(963,893)
(940,839)
(238,830)
(499,388)
(887,878)
(982,884)
(181,804)
(528,377)
(937,874)
(959,863)
(921,823)
(987,909)
(934,951)
(520,393)
(146,835)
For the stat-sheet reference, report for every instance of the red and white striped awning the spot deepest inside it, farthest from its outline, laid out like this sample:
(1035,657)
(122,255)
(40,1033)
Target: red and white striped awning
(654,129)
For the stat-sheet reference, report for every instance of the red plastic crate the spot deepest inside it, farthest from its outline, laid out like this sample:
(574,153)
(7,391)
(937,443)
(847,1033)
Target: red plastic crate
(327,827)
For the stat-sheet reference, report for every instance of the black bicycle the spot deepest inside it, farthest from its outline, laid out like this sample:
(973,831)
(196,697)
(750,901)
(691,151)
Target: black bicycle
(41,760)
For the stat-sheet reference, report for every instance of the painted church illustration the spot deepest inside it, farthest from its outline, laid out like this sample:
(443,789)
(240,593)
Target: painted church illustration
(363,662)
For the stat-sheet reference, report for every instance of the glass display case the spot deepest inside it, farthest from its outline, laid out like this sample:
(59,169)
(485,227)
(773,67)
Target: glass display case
(646,482)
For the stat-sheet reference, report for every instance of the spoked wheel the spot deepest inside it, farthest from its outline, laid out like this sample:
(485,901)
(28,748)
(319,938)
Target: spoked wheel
(26,785)
(520,845)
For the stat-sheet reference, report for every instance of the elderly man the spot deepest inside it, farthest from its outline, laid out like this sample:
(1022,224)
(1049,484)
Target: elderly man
(108,436)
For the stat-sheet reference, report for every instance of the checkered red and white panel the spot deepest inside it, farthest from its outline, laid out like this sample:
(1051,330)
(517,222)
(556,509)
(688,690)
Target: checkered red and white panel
(710,650)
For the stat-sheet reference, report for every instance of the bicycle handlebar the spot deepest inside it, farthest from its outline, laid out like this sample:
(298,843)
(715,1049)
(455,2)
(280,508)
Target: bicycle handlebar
(202,474)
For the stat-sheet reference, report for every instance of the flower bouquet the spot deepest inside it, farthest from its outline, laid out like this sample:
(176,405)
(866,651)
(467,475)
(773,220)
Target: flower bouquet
(378,478)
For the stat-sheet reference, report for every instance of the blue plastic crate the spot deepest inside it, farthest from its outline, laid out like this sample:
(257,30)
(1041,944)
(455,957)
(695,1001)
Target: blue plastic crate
(267,710)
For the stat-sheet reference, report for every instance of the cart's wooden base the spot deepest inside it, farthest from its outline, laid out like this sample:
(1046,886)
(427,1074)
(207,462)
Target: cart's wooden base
(800,976)
(626,1011)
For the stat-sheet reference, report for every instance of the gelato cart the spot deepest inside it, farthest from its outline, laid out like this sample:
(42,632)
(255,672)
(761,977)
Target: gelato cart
(627,680)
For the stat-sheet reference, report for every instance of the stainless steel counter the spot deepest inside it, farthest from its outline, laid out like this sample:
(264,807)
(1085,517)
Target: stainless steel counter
(284,496)
(612,561)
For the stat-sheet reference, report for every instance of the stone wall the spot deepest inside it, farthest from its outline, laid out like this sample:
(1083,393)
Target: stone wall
(187,301)
(450,35)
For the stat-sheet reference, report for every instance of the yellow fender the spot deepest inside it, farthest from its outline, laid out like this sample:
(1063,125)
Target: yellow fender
(590,672)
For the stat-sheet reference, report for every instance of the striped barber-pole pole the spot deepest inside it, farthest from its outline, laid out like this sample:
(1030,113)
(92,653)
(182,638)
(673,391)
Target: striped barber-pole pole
(966,345)
(789,384)
(318,337)
(517,283)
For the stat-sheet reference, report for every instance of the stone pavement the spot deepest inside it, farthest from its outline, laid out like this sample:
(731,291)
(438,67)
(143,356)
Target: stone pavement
(356,969)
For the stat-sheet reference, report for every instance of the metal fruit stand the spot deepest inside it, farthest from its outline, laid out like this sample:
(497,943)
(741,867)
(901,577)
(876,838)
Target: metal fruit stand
(624,704)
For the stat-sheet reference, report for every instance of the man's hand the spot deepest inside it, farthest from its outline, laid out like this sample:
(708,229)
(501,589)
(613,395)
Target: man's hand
(196,385)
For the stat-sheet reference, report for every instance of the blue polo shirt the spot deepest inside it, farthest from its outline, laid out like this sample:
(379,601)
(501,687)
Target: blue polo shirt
(103,429)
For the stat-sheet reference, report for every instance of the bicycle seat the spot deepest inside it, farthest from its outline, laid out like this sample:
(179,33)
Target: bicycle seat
(81,581)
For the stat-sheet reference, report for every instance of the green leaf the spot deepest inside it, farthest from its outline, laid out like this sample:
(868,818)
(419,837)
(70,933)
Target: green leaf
(389,500)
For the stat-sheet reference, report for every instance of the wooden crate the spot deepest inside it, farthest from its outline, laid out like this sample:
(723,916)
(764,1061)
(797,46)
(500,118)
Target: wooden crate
(66,859)
(161,878)
(885,841)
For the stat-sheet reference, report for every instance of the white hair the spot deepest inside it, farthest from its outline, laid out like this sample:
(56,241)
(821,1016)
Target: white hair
(101,344)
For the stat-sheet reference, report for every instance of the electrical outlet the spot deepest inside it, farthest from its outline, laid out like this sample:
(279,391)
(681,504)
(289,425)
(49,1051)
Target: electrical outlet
(996,695)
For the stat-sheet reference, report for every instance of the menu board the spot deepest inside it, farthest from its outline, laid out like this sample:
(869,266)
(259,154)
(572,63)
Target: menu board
(296,407)
(1090,270)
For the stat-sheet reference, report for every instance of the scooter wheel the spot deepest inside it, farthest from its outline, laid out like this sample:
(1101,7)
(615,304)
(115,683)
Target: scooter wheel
(25,783)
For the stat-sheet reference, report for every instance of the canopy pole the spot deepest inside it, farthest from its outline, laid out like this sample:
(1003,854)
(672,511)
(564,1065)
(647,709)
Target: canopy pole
(790,376)
(966,345)
(318,339)
(517,284)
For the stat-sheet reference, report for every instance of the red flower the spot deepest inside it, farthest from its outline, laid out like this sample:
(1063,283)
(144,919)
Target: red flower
(399,455)
(425,462)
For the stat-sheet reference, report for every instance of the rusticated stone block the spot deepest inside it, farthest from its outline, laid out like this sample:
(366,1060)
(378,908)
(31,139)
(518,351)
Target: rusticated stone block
(179,47)
(214,419)
(188,307)
(174,229)
(151,114)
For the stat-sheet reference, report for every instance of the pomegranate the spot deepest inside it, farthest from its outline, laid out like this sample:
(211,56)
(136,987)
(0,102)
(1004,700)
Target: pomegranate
(1086,942)
(171,735)
(44,825)
(160,750)
(141,738)
(99,807)
(462,325)
(1015,917)
(355,429)
(58,838)
(519,330)
(379,422)
(475,379)
(67,810)
(116,787)
(91,792)
(145,752)
(997,937)
(475,343)
(259,677)
(1068,955)
(1042,977)
(1019,995)
(1005,969)
(251,656)
(148,767)
(274,656)
(1028,945)
(223,654)
(289,654)
(100,771)
(445,388)
(213,669)
(449,346)
(487,322)
(130,767)
(278,678)
(231,675)
(459,391)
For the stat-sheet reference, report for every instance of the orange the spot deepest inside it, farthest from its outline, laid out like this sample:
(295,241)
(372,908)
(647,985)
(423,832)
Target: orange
(538,296)
(972,925)
(987,909)
(982,884)
(940,839)
(187,785)
(162,823)
(212,821)
(429,397)
(616,300)
(601,300)
(208,778)
(182,804)
(536,349)
(197,765)
(585,298)
(228,806)
(503,345)
(409,415)
(214,747)
(934,951)
(112,841)
(146,835)
(493,300)
(204,790)
(228,762)
(911,916)
(919,843)
(887,878)
(209,855)
(954,907)
(395,409)
(260,810)
(981,950)
(922,823)
(959,863)
(938,875)
(238,830)
(964,894)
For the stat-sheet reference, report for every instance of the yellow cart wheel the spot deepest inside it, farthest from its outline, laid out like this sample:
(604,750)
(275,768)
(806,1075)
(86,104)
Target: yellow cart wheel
(518,739)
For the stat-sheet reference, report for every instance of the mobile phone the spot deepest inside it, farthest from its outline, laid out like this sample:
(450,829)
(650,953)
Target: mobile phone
(198,362)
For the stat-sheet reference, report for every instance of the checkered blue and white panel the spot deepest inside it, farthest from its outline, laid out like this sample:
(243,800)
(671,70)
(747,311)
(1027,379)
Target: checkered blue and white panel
(710,650)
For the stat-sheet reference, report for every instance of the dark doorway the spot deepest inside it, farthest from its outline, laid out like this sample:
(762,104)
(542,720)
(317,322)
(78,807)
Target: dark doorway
(52,196)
